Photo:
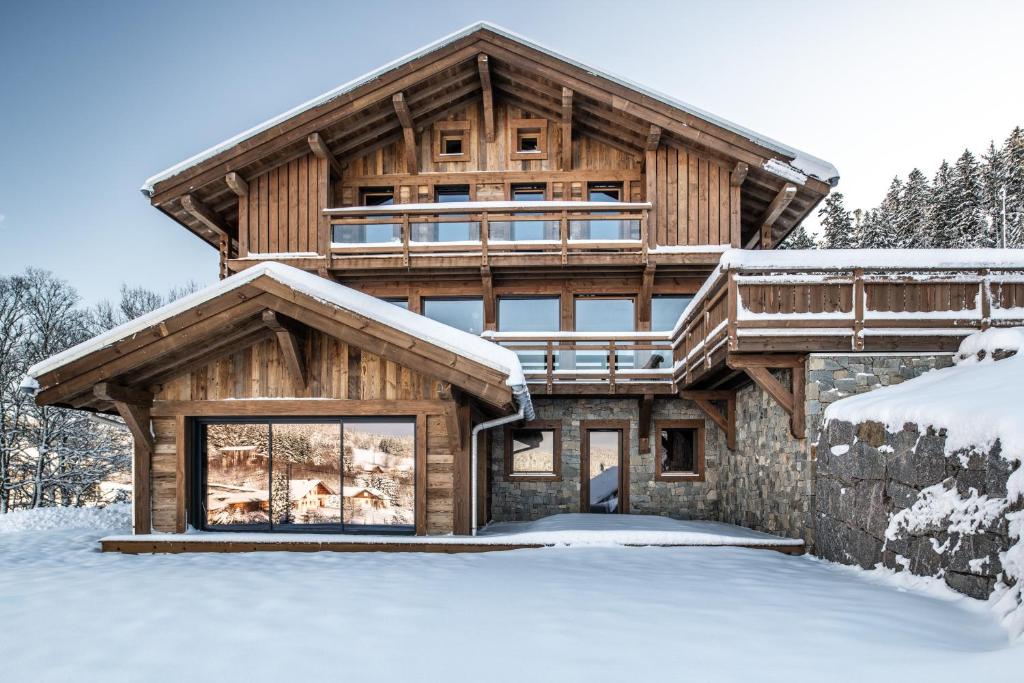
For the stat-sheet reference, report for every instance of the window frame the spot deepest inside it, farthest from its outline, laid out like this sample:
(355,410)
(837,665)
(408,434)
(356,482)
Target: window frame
(529,127)
(554,426)
(625,447)
(698,427)
(609,184)
(424,300)
(450,129)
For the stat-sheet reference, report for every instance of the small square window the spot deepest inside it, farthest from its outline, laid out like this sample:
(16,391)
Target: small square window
(451,141)
(679,450)
(533,452)
(528,139)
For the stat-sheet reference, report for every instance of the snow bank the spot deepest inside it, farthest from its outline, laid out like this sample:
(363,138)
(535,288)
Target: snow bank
(44,519)
(345,298)
(977,403)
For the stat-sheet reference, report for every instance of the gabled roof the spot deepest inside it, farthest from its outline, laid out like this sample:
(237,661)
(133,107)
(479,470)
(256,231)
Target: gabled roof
(359,116)
(162,343)
(802,162)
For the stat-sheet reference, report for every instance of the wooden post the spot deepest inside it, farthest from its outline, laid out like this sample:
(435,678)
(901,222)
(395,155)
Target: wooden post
(406,229)
(133,405)
(564,234)
(566,129)
(485,236)
(858,309)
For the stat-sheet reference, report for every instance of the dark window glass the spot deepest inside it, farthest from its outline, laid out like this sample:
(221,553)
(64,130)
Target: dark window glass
(451,193)
(377,196)
(529,140)
(451,144)
(462,314)
(605,192)
(665,311)
(678,451)
(528,192)
(533,452)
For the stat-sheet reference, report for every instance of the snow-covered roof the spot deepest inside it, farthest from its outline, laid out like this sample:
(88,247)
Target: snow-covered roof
(803,163)
(977,401)
(808,259)
(467,345)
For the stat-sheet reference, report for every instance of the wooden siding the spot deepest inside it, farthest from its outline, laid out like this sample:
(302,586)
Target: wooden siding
(281,211)
(336,371)
(692,197)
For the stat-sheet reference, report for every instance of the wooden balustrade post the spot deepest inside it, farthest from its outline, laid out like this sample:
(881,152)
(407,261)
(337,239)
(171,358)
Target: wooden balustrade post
(563,230)
(485,229)
(406,230)
(611,366)
(732,306)
(549,361)
(644,228)
(858,309)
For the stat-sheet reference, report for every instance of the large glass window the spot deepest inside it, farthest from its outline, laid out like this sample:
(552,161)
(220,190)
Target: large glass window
(290,474)
(450,228)
(534,451)
(531,230)
(666,309)
(517,314)
(374,232)
(462,314)
(604,314)
(610,229)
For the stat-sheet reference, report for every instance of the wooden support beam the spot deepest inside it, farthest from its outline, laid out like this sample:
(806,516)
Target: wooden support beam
(115,393)
(773,387)
(291,350)
(133,405)
(319,148)
(775,209)
(739,173)
(653,138)
(408,132)
(483,67)
(451,417)
(758,368)
(644,424)
(644,303)
(487,281)
(566,129)
(205,215)
(237,184)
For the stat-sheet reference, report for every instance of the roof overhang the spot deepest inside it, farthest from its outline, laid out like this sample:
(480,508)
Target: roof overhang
(232,314)
(359,116)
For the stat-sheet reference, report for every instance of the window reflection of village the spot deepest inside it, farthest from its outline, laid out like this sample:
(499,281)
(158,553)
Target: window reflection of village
(307,481)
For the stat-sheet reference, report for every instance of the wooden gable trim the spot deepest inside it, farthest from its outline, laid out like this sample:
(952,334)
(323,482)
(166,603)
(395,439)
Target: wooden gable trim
(566,129)
(291,348)
(322,152)
(488,96)
(408,133)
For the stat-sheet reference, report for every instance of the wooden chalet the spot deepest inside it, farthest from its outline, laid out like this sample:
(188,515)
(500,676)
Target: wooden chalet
(486,243)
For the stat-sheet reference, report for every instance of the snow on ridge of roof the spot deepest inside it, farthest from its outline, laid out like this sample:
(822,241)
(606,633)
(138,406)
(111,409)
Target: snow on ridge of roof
(931,259)
(802,162)
(976,401)
(457,341)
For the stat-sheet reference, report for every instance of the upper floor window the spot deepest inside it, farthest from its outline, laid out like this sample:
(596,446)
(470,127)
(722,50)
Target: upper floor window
(605,314)
(607,229)
(463,314)
(451,193)
(375,232)
(534,451)
(604,192)
(528,230)
(451,141)
(529,138)
(522,314)
(666,309)
(528,192)
(401,303)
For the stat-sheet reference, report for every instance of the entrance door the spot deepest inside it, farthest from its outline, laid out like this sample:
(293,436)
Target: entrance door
(604,466)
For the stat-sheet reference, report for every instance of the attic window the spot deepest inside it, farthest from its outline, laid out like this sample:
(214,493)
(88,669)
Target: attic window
(451,141)
(529,139)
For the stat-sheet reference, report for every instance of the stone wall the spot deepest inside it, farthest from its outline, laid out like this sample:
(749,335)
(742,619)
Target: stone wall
(887,497)
(529,500)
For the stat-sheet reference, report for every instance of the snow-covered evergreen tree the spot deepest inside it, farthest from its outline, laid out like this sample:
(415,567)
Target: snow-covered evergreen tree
(970,223)
(942,231)
(798,239)
(1012,162)
(911,222)
(837,228)
(879,227)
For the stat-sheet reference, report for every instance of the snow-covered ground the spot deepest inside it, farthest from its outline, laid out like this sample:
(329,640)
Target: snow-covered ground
(570,614)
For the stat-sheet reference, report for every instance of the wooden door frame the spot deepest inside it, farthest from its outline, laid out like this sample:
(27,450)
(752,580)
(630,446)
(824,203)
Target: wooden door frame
(587,426)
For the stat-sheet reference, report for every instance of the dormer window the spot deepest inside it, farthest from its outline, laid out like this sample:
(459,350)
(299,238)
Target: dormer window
(451,141)
(529,139)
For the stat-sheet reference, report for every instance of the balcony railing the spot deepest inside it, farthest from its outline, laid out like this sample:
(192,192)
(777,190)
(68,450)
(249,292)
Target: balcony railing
(760,307)
(617,360)
(487,228)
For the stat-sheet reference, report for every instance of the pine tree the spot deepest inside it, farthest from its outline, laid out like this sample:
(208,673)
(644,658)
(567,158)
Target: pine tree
(837,229)
(1012,158)
(878,230)
(942,233)
(798,239)
(911,223)
(970,223)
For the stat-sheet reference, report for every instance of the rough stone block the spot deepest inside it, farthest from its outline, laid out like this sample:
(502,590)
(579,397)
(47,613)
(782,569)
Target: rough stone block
(901,495)
(979,587)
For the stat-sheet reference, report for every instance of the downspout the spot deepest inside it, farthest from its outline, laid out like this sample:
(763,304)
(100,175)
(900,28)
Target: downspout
(525,412)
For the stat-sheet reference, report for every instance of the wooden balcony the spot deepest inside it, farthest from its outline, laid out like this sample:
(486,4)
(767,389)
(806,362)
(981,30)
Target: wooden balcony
(593,363)
(795,310)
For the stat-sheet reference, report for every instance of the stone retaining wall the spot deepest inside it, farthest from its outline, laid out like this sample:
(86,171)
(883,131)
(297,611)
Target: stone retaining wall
(885,497)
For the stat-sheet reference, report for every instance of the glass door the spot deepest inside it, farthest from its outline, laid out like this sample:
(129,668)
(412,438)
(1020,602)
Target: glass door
(603,469)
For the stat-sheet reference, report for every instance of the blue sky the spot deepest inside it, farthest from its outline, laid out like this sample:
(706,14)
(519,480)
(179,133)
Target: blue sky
(97,96)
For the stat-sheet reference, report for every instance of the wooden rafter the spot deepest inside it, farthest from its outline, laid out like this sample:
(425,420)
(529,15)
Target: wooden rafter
(488,96)
(205,215)
(726,421)
(739,174)
(644,423)
(566,129)
(653,138)
(237,184)
(774,210)
(290,348)
(319,148)
(408,131)
(759,366)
